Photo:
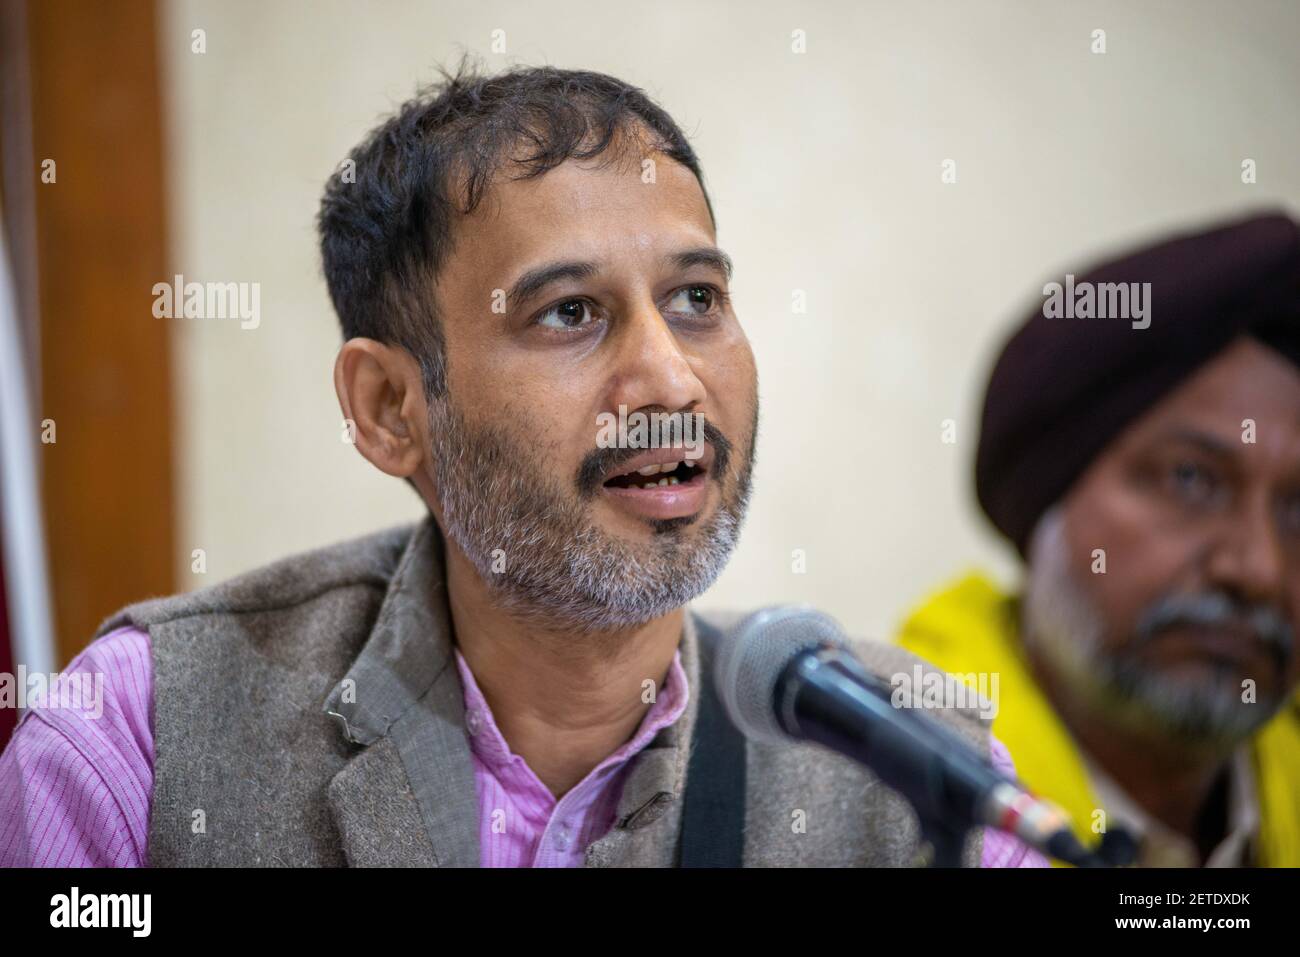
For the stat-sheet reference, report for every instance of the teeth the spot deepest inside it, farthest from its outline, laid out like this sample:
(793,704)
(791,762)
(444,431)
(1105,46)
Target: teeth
(663,470)
(662,483)
(657,469)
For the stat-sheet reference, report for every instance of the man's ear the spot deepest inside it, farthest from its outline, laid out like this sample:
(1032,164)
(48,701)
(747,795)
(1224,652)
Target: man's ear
(381,394)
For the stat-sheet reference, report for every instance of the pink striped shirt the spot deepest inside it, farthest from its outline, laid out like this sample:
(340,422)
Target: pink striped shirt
(521,823)
(75,787)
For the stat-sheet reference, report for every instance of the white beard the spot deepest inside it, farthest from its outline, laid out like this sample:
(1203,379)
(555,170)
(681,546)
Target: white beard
(1062,623)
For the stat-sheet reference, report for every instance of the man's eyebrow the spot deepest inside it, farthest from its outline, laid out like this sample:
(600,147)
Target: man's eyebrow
(535,280)
(1203,440)
(709,256)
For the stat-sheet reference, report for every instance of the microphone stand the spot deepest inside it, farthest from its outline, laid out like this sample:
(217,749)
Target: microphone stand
(946,838)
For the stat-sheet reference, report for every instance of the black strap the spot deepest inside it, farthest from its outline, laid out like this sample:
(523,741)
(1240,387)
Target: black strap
(713,813)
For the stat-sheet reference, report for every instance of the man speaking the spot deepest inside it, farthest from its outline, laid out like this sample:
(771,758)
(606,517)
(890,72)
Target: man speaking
(516,680)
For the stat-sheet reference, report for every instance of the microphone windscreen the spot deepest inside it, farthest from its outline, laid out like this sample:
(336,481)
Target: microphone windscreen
(751,658)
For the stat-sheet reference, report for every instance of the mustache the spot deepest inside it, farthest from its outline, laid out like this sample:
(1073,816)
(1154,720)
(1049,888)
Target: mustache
(1218,609)
(599,462)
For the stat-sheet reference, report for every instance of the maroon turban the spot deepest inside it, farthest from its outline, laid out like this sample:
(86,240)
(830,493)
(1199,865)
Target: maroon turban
(1065,386)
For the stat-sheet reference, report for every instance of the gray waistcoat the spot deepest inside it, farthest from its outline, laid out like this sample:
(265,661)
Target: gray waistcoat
(310,713)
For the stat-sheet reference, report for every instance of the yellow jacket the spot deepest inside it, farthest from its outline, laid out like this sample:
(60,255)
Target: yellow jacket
(970,627)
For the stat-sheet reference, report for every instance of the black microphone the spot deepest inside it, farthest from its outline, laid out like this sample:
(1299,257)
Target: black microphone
(787,674)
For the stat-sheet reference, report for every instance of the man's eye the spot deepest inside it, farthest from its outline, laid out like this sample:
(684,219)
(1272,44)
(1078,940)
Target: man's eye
(693,301)
(1193,483)
(570,314)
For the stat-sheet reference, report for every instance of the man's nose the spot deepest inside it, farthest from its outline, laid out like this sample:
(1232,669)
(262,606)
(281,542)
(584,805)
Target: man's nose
(651,368)
(1249,558)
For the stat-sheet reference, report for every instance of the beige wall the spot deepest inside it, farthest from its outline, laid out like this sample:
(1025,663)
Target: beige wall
(825,173)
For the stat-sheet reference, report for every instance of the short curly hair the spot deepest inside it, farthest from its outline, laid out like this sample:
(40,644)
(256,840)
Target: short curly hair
(386,216)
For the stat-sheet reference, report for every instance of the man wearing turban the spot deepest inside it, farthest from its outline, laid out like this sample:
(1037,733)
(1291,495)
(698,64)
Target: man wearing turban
(1145,462)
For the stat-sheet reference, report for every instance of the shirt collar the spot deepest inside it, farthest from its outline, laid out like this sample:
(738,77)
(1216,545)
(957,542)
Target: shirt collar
(1161,846)
(490,746)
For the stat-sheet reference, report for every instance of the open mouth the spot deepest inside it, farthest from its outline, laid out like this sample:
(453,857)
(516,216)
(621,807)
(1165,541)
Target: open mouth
(660,475)
(660,485)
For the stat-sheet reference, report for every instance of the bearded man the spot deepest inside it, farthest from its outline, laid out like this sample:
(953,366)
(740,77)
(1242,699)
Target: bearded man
(517,679)
(1147,468)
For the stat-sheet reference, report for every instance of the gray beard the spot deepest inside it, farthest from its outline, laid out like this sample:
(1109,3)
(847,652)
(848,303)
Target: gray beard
(1066,628)
(535,545)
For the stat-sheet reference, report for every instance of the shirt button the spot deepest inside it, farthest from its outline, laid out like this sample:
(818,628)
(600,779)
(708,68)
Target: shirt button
(473,722)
